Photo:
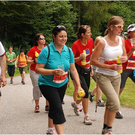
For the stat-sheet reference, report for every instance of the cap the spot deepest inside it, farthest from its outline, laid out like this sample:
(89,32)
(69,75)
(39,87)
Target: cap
(131,27)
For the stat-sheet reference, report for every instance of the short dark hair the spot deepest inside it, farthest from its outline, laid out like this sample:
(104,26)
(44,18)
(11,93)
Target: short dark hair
(58,29)
(10,47)
(22,50)
(82,29)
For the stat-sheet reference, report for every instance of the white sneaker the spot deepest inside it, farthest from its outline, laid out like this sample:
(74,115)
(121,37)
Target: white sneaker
(51,132)
(87,120)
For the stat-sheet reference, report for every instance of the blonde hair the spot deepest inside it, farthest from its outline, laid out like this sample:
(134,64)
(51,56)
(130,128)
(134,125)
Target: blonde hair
(97,39)
(114,20)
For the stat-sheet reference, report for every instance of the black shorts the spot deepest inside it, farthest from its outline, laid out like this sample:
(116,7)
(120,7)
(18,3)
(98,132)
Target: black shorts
(124,76)
(55,97)
(11,70)
(84,75)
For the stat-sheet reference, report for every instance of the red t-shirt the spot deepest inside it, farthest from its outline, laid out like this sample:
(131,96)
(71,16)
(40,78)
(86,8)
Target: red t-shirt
(128,49)
(31,53)
(78,48)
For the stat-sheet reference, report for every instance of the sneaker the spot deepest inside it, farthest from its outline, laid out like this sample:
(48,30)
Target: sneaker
(76,109)
(11,82)
(23,83)
(47,108)
(87,120)
(107,131)
(73,104)
(91,97)
(119,115)
(80,107)
(51,132)
(37,109)
(100,103)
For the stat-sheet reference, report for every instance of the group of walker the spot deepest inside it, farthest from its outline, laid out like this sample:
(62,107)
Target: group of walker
(13,62)
(49,71)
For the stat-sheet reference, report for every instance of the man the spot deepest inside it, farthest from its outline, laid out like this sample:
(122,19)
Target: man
(3,80)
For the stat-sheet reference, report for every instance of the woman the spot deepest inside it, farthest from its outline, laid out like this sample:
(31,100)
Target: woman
(128,70)
(83,44)
(39,43)
(11,57)
(108,79)
(97,90)
(21,61)
(53,64)
(3,80)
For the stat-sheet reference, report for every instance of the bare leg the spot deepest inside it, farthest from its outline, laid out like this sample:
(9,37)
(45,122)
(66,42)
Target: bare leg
(59,128)
(120,92)
(75,91)
(12,78)
(23,75)
(37,102)
(85,105)
(109,117)
(99,93)
(94,90)
(50,123)
(47,103)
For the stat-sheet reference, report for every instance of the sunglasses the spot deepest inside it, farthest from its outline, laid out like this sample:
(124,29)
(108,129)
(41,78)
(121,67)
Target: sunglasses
(85,27)
(41,38)
(119,26)
(61,26)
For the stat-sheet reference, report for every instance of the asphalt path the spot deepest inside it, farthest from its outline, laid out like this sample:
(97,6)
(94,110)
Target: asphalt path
(17,114)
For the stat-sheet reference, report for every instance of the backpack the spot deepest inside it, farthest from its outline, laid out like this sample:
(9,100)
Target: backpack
(49,51)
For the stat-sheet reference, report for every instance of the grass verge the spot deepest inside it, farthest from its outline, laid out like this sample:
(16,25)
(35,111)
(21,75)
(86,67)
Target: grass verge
(127,98)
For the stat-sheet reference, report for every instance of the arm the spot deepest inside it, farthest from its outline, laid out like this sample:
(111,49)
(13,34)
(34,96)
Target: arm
(82,56)
(41,70)
(124,57)
(30,61)
(3,70)
(16,62)
(131,51)
(14,58)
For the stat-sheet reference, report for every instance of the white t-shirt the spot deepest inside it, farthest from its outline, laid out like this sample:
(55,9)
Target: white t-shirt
(110,52)
(2,51)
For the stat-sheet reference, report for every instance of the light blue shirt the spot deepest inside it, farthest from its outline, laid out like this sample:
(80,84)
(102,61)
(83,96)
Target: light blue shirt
(55,61)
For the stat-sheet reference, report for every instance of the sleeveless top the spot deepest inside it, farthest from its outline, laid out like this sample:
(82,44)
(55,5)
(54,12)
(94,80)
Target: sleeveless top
(110,53)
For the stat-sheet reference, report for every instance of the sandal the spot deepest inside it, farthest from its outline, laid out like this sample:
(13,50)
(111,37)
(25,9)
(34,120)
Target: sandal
(37,109)
(47,108)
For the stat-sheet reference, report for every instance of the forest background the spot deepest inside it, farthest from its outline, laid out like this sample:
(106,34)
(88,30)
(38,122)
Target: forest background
(21,20)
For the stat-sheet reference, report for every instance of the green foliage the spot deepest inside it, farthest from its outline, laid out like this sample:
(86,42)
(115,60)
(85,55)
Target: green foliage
(126,98)
(21,20)
(25,19)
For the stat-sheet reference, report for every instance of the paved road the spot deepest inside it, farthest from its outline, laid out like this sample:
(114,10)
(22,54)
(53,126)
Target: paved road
(17,114)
